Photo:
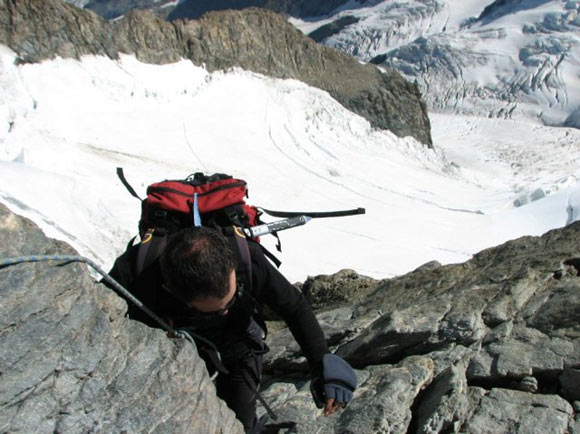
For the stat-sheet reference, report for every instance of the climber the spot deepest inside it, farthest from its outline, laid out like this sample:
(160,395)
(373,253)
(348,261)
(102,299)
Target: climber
(203,283)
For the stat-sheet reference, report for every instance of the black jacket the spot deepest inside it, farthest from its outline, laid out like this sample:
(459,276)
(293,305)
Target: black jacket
(228,333)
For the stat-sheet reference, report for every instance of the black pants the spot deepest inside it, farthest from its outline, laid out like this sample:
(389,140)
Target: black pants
(238,389)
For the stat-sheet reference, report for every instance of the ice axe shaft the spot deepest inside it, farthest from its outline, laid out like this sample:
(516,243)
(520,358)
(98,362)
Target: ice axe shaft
(277,226)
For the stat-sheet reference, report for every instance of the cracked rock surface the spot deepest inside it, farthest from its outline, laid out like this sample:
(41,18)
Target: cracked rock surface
(70,362)
(490,345)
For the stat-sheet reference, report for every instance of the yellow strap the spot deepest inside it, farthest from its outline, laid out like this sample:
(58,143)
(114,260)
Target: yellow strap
(148,236)
(239,232)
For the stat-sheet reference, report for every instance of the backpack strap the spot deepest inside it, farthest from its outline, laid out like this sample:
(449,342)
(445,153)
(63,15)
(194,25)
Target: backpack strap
(239,245)
(268,254)
(342,213)
(130,189)
(150,248)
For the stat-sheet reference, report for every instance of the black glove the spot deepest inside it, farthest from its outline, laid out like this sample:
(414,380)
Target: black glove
(338,381)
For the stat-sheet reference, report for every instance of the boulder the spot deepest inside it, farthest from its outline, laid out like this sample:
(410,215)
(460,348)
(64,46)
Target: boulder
(325,292)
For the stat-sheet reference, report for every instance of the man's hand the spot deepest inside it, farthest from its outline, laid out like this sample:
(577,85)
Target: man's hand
(332,406)
(334,389)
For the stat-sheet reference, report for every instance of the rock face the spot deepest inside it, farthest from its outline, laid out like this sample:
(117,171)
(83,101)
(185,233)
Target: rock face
(488,346)
(254,39)
(341,289)
(70,362)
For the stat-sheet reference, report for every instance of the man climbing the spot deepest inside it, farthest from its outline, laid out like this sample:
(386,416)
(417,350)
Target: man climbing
(216,286)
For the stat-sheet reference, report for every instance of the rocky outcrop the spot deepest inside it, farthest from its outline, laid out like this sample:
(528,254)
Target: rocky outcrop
(491,345)
(70,362)
(254,39)
(344,288)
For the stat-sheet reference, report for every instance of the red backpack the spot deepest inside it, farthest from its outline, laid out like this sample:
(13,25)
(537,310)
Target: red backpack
(199,200)
(216,201)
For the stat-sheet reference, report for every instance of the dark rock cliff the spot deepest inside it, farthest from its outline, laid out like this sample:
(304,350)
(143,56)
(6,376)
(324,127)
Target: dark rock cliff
(254,39)
(70,362)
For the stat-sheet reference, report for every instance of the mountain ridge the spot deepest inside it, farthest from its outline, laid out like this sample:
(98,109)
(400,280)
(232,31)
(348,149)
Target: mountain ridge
(253,39)
(504,59)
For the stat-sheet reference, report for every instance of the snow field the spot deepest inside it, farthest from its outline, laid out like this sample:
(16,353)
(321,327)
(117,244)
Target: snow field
(65,126)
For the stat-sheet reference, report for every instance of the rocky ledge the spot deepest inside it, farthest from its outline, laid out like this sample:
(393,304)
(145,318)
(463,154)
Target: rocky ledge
(254,39)
(70,362)
(488,346)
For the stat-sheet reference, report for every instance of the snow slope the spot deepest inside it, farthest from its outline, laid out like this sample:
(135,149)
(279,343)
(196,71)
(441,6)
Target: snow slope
(65,126)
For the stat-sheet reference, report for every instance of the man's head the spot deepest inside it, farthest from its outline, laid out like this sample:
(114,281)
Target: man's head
(198,267)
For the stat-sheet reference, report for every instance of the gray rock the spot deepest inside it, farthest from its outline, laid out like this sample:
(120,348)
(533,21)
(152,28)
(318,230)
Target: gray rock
(333,28)
(507,321)
(253,39)
(382,402)
(445,404)
(574,426)
(428,266)
(501,410)
(528,384)
(344,288)
(544,338)
(71,362)
(285,354)
(464,303)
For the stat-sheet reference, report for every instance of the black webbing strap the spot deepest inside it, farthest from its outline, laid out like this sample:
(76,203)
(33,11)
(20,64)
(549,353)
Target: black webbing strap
(257,392)
(212,354)
(268,254)
(287,214)
(121,176)
(244,255)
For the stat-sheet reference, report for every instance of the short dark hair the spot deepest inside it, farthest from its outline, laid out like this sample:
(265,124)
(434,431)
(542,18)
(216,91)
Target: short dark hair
(197,262)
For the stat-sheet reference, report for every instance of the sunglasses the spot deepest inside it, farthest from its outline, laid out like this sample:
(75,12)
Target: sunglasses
(204,316)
